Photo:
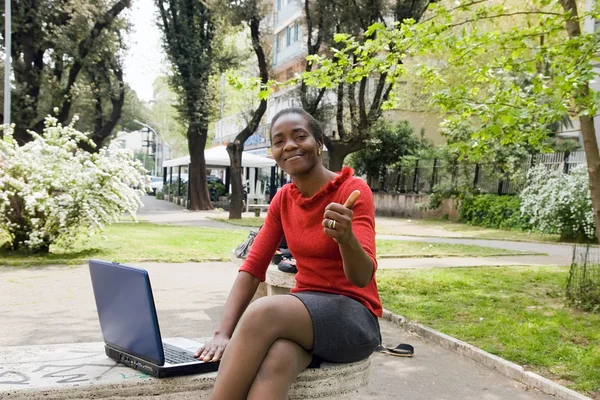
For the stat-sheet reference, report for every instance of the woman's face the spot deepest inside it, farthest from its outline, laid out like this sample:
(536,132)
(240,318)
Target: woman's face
(293,146)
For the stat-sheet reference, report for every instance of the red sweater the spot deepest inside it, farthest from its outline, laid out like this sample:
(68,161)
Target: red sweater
(318,258)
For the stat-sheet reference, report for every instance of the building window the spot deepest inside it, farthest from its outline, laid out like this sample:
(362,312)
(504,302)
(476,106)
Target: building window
(279,5)
(289,33)
(296,32)
(281,40)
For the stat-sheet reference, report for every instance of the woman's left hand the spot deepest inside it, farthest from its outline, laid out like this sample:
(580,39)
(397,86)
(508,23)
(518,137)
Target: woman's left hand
(337,219)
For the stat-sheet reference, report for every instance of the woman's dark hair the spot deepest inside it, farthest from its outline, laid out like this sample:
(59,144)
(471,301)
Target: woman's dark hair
(313,125)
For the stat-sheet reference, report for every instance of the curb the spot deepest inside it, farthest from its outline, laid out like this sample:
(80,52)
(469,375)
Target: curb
(504,367)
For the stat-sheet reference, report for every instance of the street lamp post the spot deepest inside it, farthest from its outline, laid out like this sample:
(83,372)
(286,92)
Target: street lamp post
(7,61)
(159,147)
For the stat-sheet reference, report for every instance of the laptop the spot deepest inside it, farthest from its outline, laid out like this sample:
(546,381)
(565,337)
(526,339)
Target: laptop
(130,325)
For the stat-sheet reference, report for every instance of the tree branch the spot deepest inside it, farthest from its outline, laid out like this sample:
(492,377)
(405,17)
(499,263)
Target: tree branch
(376,103)
(340,111)
(362,107)
(84,48)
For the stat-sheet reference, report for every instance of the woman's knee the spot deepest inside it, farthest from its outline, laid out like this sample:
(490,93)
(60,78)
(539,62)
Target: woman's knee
(285,359)
(262,315)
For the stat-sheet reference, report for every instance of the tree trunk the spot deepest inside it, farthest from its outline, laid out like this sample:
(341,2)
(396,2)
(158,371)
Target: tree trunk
(199,196)
(235,150)
(588,131)
(592,155)
(236,147)
(339,150)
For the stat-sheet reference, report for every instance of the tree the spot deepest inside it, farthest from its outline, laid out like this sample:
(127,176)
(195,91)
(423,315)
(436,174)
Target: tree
(58,49)
(246,13)
(162,115)
(358,101)
(542,41)
(389,144)
(190,41)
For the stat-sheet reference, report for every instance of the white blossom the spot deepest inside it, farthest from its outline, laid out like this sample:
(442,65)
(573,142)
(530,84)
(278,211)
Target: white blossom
(51,190)
(559,203)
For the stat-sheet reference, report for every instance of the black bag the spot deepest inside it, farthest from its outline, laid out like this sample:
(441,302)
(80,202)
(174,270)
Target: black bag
(242,250)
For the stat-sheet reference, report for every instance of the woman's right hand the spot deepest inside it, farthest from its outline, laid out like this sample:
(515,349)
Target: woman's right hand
(213,350)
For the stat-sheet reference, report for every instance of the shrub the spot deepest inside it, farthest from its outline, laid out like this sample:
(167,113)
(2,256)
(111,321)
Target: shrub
(51,190)
(560,203)
(493,211)
(171,188)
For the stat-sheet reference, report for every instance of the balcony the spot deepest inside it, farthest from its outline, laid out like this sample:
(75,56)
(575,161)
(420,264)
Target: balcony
(289,9)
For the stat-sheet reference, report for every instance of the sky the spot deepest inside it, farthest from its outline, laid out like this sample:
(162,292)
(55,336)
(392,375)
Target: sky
(145,59)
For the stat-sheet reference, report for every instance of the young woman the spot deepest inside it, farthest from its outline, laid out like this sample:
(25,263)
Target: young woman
(331,315)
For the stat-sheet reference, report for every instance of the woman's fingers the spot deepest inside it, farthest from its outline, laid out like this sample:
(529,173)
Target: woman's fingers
(212,351)
(218,353)
(349,204)
(200,351)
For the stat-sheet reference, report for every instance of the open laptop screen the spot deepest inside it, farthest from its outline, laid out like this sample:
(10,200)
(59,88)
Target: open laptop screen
(126,310)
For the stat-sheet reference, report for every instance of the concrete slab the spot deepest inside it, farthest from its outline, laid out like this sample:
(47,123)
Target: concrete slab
(81,370)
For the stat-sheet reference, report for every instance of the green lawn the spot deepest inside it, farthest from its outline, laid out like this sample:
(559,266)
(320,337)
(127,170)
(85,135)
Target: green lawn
(517,313)
(127,242)
(400,248)
(130,242)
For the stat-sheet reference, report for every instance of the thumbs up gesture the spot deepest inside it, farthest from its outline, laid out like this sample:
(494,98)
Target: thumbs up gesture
(337,219)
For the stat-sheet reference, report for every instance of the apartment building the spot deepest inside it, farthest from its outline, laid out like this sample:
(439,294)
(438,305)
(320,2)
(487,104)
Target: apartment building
(288,59)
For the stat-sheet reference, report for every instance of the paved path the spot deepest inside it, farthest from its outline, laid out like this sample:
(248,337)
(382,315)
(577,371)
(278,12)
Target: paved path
(55,305)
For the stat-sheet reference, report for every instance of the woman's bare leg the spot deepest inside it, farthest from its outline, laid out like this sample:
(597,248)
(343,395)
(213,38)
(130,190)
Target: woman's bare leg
(265,321)
(280,368)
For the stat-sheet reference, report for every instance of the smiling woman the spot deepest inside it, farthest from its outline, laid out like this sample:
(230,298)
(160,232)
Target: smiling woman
(329,224)
(296,142)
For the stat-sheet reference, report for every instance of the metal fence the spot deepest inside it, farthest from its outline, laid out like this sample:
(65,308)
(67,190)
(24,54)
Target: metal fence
(424,175)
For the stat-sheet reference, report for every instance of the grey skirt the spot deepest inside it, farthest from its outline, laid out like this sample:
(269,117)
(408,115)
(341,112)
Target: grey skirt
(345,331)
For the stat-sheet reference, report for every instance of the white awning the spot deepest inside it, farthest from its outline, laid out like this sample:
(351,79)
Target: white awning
(218,157)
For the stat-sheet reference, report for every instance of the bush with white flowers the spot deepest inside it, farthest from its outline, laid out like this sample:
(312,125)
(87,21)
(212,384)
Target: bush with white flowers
(51,191)
(559,203)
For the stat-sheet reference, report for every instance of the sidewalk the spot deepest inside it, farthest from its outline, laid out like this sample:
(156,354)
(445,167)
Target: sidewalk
(55,305)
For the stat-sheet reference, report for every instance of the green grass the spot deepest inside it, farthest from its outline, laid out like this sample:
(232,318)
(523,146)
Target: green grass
(517,313)
(253,222)
(476,232)
(130,242)
(127,242)
(387,248)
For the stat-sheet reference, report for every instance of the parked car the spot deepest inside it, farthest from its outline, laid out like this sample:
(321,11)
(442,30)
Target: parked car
(156,184)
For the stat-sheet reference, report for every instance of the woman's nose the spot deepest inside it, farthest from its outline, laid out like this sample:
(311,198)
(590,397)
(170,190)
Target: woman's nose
(290,144)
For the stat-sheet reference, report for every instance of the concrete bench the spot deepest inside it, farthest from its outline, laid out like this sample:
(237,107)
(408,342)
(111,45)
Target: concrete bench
(82,370)
(276,282)
(257,208)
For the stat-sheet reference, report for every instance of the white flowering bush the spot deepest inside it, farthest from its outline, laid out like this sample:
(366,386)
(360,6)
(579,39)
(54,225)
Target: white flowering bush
(559,203)
(51,191)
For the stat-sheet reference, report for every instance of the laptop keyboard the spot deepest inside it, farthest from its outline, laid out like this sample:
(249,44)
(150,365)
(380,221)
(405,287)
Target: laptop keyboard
(175,355)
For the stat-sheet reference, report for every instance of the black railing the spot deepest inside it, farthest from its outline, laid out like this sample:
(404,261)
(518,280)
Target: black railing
(423,175)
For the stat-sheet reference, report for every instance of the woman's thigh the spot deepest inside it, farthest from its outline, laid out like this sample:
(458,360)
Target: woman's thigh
(344,330)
